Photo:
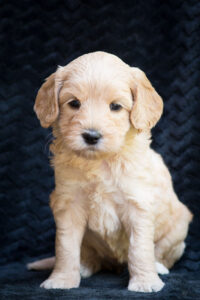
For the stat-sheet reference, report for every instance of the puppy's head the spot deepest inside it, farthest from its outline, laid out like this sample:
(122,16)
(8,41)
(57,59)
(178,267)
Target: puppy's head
(95,100)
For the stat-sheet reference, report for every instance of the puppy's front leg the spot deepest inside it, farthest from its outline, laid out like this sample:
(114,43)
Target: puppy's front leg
(70,226)
(141,259)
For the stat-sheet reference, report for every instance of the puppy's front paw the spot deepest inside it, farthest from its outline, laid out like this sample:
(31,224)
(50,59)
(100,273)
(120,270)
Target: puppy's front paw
(61,281)
(148,285)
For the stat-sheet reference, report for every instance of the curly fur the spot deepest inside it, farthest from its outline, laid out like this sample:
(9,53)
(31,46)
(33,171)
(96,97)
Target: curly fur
(113,202)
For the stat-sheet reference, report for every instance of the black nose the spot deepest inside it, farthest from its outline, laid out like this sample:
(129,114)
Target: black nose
(91,136)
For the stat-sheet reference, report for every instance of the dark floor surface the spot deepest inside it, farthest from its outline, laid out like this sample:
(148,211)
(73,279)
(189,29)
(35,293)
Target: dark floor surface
(160,37)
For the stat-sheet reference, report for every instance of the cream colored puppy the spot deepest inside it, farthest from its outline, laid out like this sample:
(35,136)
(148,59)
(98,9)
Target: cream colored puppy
(114,201)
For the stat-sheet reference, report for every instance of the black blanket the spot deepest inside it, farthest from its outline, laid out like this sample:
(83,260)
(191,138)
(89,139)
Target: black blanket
(160,37)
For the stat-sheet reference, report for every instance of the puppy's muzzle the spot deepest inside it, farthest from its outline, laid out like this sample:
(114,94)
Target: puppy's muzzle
(91,136)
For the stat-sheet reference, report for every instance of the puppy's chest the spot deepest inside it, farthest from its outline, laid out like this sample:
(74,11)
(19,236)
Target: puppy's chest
(104,219)
(103,214)
(104,198)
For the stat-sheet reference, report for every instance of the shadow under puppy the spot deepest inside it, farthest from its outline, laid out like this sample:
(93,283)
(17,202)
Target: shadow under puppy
(114,201)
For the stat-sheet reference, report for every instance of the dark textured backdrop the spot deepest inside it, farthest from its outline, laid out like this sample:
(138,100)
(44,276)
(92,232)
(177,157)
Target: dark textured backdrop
(160,37)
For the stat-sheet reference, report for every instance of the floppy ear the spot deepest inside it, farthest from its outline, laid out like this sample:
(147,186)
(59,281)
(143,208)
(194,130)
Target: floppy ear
(46,103)
(148,105)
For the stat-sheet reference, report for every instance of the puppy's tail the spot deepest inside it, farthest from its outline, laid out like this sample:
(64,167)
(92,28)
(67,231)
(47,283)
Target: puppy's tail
(42,264)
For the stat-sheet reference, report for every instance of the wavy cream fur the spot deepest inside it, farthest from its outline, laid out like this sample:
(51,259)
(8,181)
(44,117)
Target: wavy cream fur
(113,202)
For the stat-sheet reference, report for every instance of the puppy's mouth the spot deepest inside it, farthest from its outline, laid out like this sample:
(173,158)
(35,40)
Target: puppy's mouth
(89,152)
(91,149)
(89,143)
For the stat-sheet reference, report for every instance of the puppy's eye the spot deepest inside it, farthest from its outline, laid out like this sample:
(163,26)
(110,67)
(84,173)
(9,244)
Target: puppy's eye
(74,104)
(115,106)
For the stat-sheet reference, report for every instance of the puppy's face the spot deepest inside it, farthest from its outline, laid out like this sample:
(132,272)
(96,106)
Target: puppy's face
(95,100)
(95,103)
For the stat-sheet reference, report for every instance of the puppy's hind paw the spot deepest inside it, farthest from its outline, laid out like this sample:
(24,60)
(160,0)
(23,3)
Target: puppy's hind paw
(145,285)
(85,271)
(161,269)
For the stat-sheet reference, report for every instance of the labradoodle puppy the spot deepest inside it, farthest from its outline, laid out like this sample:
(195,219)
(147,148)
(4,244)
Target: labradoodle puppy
(114,200)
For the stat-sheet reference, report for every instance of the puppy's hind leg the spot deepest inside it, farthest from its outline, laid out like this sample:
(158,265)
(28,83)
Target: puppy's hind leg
(171,247)
(90,261)
(96,255)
